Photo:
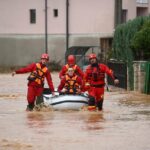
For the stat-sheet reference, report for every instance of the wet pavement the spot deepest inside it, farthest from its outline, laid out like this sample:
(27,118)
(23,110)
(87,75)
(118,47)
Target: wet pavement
(123,124)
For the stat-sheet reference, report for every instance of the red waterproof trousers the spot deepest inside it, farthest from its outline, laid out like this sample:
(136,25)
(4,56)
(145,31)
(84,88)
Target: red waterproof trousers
(33,91)
(97,93)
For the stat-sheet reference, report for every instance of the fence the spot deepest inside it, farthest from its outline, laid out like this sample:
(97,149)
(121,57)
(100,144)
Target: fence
(147,79)
(120,70)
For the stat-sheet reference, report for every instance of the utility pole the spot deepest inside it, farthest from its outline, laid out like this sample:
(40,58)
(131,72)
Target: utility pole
(46,37)
(67,24)
(67,28)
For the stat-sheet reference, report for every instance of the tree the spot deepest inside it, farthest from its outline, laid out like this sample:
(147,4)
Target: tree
(122,43)
(141,42)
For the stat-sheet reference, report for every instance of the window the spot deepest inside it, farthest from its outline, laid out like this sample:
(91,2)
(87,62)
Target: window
(55,11)
(124,15)
(141,11)
(32,16)
(142,1)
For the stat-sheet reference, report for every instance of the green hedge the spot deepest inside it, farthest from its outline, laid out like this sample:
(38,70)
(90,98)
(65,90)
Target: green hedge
(122,47)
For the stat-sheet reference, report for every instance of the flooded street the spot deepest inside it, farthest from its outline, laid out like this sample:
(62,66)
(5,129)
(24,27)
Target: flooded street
(124,124)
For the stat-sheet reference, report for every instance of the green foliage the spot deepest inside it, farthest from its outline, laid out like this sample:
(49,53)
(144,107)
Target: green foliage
(122,47)
(123,36)
(141,41)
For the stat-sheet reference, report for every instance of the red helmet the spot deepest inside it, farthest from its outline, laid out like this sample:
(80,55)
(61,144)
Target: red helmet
(45,56)
(71,59)
(91,56)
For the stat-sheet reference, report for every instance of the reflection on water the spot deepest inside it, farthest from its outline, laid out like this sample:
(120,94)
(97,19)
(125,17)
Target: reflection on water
(94,121)
(80,130)
(95,117)
(36,120)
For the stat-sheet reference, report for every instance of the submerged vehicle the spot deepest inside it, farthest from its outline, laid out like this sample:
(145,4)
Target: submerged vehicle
(64,101)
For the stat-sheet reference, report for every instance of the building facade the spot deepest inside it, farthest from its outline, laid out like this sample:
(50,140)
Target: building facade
(31,27)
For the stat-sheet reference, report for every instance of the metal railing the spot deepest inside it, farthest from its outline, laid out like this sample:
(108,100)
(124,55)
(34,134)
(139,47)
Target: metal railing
(142,1)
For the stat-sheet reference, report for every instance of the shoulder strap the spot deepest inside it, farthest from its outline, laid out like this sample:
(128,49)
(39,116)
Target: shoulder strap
(67,66)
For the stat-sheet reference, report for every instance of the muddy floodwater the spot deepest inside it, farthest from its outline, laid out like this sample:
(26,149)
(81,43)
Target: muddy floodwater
(124,124)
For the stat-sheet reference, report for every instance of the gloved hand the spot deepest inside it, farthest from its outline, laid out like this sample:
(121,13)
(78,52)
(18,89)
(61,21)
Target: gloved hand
(63,90)
(116,81)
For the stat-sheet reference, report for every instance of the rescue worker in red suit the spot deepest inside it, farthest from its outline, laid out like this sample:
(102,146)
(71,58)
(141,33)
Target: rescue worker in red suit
(71,63)
(71,83)
(94,78)
(39,72)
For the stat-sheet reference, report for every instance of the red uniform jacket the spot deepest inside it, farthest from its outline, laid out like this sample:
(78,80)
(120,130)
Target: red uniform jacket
(76,68)
(63,81)
(31,68)
(95,76)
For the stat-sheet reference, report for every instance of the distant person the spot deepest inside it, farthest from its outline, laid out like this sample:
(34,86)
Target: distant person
(94,78)
(39,72)
(71,63)
(70,83)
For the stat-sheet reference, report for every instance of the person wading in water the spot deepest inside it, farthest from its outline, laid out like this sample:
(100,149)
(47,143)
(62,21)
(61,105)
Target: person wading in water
(94,80)
(39,72)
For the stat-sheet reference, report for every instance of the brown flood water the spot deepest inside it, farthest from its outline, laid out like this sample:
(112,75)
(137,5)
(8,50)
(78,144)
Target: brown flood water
(124,124)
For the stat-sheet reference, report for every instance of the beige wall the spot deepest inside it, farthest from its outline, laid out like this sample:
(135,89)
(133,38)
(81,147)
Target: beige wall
(130,5)
(19,50)
(22,42)
(14,16)
(91,16)
(86,16)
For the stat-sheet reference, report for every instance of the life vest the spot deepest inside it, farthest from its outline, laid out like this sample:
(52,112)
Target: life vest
(38,74)
(74,68)
(95,74)
(71,84)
